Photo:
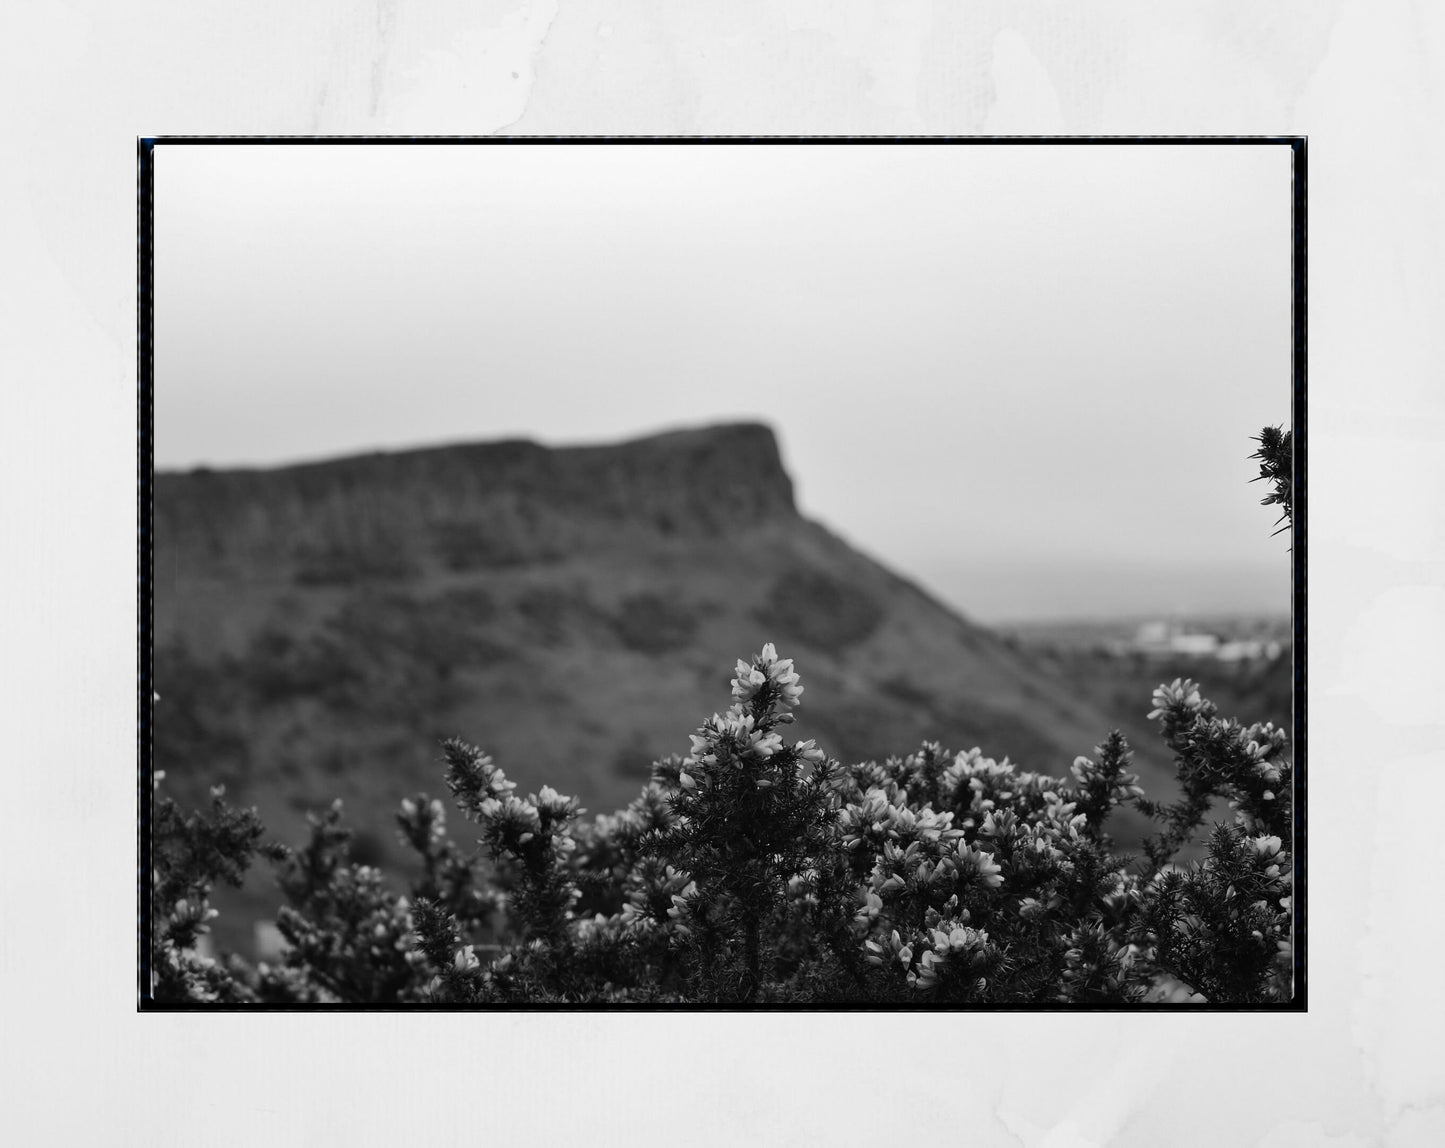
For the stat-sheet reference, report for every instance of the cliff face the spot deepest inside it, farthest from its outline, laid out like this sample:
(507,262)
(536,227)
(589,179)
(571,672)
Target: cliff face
(464,508)
(575,611)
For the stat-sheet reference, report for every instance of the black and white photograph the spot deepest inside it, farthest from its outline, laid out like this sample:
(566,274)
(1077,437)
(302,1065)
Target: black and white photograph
(763,572)
(739,573)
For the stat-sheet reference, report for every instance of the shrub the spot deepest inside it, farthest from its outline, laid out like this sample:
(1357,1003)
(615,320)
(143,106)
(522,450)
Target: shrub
(759,871)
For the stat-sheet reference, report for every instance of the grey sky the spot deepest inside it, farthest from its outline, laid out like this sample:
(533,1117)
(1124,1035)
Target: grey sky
(1025,376)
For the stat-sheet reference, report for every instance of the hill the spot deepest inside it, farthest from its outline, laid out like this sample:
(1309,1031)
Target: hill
(575,611)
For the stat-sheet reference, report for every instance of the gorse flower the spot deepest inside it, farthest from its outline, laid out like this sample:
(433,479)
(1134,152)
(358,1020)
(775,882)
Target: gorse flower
(473,778)
(953,952)
(1181,696)
(466,959)
(975,866)
(768,676)
(734,734)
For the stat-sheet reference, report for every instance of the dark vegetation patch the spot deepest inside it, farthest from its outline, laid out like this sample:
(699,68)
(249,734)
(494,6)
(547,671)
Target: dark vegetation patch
(869,727)
(632,762)
(198,728)
(999,734)
(370,848)
(810,605)
(354,564)
(385,661)
(337,761)
(856,728)
(432,633)
(381,654)
(654,624)
(279,667)
(907,691)
(555,616)
(462,546)
(469,605)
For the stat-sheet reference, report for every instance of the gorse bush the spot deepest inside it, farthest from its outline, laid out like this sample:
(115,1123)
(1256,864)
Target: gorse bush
(755,870)
(760,871)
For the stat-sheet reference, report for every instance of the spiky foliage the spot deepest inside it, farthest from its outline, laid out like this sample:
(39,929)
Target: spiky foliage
(751,818)
(1276,466)
(190,852)
(1222,926)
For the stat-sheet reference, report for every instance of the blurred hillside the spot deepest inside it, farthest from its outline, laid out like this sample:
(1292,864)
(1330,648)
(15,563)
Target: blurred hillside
(574,611)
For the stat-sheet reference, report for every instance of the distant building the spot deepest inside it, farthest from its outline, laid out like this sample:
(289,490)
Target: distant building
(1167,638)
(1155,634)
(1244,650)
(1163,639)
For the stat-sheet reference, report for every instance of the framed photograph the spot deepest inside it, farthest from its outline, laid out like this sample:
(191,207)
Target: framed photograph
(738,573)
